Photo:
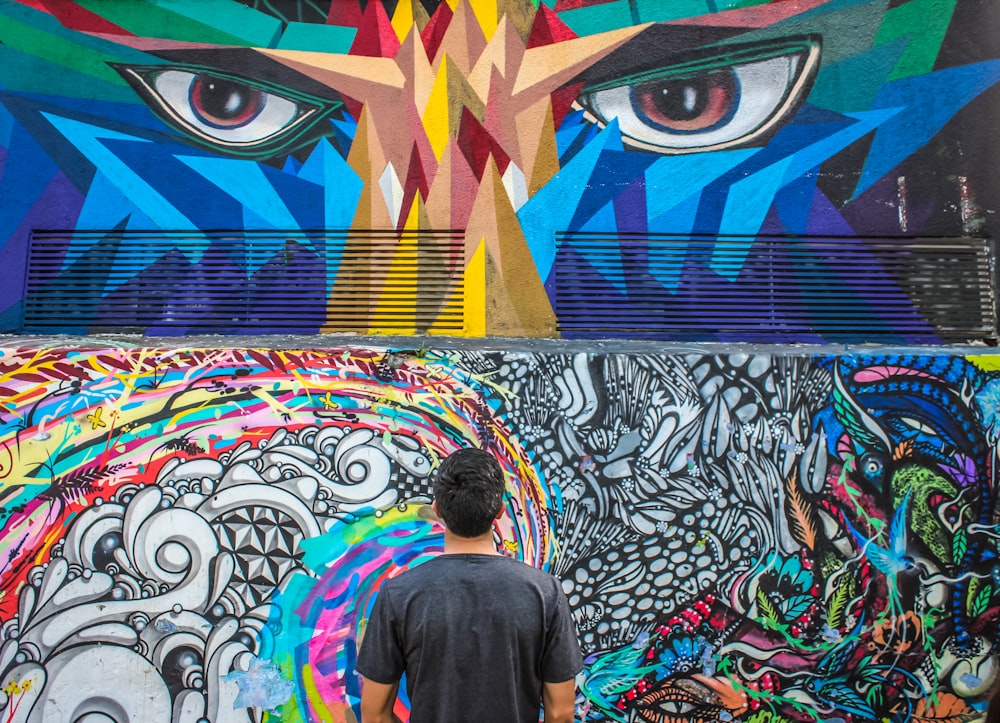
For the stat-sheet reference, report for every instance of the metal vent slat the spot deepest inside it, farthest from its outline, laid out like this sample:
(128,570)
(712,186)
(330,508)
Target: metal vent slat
(241,282)
(701,287)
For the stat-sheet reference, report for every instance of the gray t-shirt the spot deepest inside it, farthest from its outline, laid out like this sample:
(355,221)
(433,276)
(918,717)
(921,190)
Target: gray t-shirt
(476,636)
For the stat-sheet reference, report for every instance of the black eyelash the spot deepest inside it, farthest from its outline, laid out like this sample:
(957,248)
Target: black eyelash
(689,63)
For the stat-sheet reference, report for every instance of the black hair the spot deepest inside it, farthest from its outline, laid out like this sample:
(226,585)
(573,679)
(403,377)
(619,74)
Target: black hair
(993,703)
(468,490)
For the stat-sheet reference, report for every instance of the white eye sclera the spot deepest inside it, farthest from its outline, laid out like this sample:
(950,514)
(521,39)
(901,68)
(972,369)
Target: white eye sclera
(717,107)
(226,110)
(222,111)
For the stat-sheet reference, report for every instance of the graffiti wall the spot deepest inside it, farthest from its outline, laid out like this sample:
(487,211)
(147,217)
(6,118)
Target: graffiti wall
(199,534)
(697,140)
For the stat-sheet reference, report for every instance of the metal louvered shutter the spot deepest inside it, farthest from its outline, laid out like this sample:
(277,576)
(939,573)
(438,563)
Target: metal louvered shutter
(238,282)
(802,289)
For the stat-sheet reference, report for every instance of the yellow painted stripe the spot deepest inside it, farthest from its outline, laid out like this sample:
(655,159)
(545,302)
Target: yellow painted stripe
(475,292)
(435,116)
(402,20)
(486,14)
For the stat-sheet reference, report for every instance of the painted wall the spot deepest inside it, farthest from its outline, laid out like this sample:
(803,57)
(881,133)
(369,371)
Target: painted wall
(199,534)
(782,536)
(507,120)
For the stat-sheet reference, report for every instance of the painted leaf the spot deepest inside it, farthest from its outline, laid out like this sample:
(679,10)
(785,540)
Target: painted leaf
(800,513)
(849,700)
(980,600)
(960,544)
(766,608)
(836,606)
(261,359)
(796,605)
(949,708)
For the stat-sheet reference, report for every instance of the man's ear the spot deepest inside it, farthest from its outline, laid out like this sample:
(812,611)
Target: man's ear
(434,506)
(499,514)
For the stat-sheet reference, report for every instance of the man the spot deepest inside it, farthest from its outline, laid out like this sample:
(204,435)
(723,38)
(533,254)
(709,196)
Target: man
(481,637)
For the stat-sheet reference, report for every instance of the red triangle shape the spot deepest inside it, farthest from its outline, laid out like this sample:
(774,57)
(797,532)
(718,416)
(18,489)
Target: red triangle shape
(547,28)
(376,37)
(416,182)
(344,12)
(75,17)
(477,145)
(562,101)
(415,176)
(433,34)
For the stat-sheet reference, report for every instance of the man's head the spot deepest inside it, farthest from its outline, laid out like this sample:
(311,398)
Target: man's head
(468,492)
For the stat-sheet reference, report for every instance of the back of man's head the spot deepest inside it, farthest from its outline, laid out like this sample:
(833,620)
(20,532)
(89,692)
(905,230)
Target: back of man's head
(468,490)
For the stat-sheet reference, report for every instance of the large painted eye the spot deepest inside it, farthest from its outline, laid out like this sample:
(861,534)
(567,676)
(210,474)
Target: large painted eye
(708,104)
(222,111)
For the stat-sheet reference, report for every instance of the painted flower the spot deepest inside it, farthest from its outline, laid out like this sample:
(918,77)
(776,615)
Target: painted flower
(681,655)
(786,583)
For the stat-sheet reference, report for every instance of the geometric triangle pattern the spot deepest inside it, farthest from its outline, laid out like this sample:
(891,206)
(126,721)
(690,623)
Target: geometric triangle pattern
(617,118)
(265,544)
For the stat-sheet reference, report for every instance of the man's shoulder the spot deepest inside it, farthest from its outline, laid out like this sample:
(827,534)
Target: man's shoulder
(413,576)
(519,567)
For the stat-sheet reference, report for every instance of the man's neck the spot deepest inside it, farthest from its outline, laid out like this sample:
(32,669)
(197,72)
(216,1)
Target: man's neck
(482,545)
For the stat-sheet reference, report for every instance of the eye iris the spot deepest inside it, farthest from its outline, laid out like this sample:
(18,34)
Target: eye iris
(224,103)
(688,105)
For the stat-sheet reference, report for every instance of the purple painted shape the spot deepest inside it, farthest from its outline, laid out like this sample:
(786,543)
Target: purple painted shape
(57,207)
(792,315)
(773,225)
(825,219)
(870,215)
(630,208)
(919,216)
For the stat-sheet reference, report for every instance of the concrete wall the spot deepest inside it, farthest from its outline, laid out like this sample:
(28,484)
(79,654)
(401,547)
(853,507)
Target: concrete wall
(196,533)
(507,121)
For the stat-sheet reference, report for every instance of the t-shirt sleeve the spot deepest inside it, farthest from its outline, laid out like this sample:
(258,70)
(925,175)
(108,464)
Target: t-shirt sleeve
(381,655)
(562,658)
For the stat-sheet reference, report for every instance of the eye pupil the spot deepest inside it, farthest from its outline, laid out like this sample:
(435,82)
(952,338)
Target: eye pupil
(224,103)
(688,104)
(681,99)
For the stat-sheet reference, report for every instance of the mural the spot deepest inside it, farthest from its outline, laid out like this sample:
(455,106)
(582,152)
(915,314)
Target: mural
(310,125)
(753,537)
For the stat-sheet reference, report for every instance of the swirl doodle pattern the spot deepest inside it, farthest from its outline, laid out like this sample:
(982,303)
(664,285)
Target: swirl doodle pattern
(740,536)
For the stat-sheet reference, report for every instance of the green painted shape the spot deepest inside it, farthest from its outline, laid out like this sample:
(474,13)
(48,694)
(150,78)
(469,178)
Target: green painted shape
(195,22)
(22,72)
(855,81)
(598,18)
(922,484)
(319,38)
(257,28)
(698,65)
(924,23)
(40,36)
(846,31)
(661,11)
